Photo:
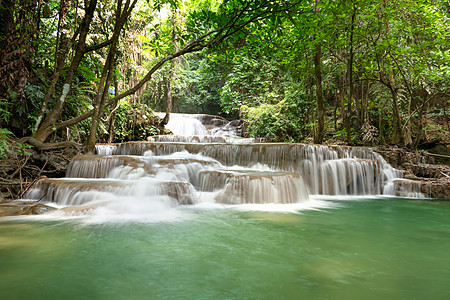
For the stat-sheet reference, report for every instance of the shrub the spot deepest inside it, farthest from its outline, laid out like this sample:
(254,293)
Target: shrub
(277,122)
(135,122)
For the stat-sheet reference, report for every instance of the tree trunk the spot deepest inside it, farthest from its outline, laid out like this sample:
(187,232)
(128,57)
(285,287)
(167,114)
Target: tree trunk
(107,74)
(342,82)
(318,139)
(62,49)
(360,108)
(380,126)
(348,122)
(396,119)
(46,127)
(112,122)
(396,125)
(171,78)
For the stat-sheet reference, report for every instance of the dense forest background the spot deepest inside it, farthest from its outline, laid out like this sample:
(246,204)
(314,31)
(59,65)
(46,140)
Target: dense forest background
(345,71)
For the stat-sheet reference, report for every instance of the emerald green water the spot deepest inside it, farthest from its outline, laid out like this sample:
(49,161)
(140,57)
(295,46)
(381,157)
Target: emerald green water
(365,249)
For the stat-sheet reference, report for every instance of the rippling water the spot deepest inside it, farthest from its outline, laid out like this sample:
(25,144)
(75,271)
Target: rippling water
(343,249)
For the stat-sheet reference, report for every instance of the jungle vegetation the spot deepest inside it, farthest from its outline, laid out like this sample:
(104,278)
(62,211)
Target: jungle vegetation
(358,72)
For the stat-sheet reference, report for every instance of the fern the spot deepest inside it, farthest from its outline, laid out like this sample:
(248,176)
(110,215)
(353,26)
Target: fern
(5,113)
(5,145)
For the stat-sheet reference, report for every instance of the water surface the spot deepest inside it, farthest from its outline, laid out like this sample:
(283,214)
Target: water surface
(352,249)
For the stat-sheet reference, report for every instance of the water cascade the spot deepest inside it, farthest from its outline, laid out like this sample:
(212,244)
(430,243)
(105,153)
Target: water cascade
(208,162)
(201,128)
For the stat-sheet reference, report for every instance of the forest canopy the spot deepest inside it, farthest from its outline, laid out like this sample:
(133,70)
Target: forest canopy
(354,71)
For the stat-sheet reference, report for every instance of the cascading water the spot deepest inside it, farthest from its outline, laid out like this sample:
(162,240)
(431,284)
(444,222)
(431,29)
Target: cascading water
(208,128)
(203,167)
(186,126)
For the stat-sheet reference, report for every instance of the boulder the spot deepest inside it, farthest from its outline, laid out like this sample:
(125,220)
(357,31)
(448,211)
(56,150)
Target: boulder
(428,170)
(18,208)
(436,188)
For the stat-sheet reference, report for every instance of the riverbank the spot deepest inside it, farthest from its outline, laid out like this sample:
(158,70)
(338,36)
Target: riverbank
(18,173)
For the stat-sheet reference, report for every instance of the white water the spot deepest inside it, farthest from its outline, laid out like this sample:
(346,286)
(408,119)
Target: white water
(186,126)
(189,127)
(147,181)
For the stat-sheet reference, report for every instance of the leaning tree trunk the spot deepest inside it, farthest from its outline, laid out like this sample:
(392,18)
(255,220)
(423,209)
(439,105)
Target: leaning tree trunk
(112,133)
(62,49)
(107,73)
(46,128)
(100,101)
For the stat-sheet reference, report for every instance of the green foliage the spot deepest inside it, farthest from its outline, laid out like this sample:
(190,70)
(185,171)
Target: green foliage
(342,134)
(5,113)
(251,82)
(134,122)
(7,145)
(197,85)
(35,96)
(22,149)
(280,122)
(264,71)
(79,99)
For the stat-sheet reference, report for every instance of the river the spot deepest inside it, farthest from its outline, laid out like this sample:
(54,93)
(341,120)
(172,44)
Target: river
(219,217)
(357,248)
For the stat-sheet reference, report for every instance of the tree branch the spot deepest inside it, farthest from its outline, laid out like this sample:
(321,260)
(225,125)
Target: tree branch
(202,42)
(99,46)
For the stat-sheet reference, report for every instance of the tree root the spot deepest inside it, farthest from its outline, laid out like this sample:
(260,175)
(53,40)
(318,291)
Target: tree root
(49,146)
(434,154)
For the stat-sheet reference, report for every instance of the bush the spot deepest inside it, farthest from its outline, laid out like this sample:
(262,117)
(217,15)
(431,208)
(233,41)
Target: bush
(281,122)
(135,122)
(8,145)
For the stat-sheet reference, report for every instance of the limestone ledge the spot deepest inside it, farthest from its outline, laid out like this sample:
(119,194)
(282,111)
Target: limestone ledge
(433,180)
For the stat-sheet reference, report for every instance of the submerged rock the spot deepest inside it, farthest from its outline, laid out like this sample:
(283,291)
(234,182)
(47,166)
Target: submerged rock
(10,208)
(37,209)
(18,208)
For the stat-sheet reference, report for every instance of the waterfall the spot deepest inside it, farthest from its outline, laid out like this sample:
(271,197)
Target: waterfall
(200,125)
(208,161)
(327,170)
(186,126)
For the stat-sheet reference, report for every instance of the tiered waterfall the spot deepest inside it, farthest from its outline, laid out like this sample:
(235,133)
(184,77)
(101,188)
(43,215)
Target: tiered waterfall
(207,161)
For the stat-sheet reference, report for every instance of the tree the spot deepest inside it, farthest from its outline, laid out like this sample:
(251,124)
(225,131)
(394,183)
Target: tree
(233,17)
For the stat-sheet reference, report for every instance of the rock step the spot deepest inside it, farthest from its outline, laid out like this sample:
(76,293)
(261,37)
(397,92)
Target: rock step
(201,139)
(101,166)
(80,191)
(253,187)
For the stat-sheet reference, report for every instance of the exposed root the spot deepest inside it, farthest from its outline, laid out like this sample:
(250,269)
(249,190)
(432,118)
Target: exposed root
(20,170)
(49,146)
